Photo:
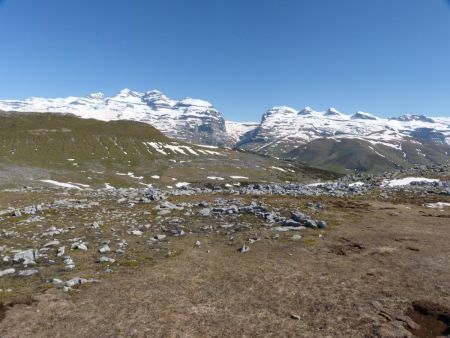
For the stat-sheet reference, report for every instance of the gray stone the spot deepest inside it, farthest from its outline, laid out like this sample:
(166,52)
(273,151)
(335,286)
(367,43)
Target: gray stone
(104,249)
(291,223)
(105,259)
(160,237)
(7,272)
(321,224)
(78,281)
(17,213)
(298,216)
(79,246)
(310,223)
(26,273)
(27,257)
(244,249)
(51,243)
(61,251)
(205,212)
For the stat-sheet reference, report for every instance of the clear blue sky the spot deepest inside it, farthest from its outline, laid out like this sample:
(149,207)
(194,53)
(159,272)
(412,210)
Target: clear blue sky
(383,56)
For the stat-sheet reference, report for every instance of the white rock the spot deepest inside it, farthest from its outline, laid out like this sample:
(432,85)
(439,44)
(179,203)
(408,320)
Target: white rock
(78,281)
(61,251)
(105,259)
(104,249)
(28,257)
(137,232)
(79,246)
(197,244)
(26,273)
(57,282)
(69,263)
(51,243)
(95,225)
(7,272)
(244,249)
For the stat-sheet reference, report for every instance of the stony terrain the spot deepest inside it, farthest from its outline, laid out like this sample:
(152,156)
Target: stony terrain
(362,255)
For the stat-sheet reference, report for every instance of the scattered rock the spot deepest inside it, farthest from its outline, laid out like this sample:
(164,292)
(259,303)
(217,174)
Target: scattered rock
(79,246)
(104,249)
(51,243)
(296,317)
(61,251)
(244,249)
(105,259)
(6,272)
(26,273)
(27,257)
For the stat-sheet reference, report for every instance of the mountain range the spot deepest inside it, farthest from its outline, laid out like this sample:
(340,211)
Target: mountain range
(328,139)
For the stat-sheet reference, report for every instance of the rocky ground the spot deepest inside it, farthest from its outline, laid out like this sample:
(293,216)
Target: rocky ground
(363,256)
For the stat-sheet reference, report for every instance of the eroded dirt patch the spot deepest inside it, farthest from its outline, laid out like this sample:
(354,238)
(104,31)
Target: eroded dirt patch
(433,319)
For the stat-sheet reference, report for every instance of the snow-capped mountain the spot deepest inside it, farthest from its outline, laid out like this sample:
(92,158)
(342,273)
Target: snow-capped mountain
(317,137)
(236,130)
(323,138)
(190,120)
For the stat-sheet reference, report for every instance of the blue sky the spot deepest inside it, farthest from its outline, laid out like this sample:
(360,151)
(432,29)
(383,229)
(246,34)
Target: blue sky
(386,57)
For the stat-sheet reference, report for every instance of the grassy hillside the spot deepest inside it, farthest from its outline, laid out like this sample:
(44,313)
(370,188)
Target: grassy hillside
(47,139)
(359,155)
(122,153)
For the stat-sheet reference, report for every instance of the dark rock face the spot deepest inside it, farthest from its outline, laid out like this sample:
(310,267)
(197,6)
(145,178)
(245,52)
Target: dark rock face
(207,129)
(428,135)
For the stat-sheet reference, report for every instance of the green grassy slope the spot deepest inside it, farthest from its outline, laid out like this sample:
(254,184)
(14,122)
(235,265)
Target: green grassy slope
(67,148)
(359,155)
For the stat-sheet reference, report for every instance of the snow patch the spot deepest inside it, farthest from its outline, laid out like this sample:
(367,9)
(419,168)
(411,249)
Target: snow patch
(407,181)
(215,178)
(62,184)
(438,205)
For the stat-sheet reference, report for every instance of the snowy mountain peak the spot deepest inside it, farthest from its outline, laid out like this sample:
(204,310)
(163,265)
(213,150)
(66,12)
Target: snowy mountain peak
(333,112)
(96,96)
(126,93)
(279,111)
(194,102)
(190,120)
(360,115)
(156,99)
(306,111)
(408,118)
(155,94)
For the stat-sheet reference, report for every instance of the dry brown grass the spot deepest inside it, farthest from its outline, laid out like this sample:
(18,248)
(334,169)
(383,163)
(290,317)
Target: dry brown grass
(358,279)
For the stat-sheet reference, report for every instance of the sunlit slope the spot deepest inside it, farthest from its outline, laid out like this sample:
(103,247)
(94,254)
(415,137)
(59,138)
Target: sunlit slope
(41,146)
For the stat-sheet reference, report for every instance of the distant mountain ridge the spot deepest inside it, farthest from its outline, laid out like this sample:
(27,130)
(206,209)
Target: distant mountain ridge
(189,120)
(336,140)
(361,141)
